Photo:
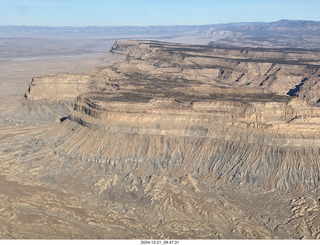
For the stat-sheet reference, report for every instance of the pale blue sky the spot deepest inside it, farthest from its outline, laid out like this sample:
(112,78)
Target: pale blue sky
(152,12)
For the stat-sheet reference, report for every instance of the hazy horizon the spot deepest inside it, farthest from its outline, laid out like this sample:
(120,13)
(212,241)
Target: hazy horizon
(152,13)
(208,24)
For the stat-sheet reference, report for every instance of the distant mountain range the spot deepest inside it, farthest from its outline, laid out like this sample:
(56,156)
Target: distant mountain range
(283,33)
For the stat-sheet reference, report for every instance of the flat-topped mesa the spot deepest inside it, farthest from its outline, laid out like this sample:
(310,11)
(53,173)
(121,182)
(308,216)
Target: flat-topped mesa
(272,123)
(58,87)
(66,87)
(164,66)
(293,72)
(135,49)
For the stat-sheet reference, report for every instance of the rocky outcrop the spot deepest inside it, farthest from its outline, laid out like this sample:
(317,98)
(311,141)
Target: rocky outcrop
(61,87)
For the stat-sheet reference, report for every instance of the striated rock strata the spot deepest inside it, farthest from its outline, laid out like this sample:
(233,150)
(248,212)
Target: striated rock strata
(264,141)
(57,87)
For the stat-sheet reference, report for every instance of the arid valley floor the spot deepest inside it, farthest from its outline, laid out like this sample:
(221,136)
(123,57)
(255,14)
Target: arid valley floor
(159,140)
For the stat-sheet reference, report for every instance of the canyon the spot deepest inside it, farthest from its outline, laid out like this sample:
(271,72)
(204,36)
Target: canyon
(167,141)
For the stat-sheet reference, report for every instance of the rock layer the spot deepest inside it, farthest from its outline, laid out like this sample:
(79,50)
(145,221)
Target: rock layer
(58,87)
(276,131)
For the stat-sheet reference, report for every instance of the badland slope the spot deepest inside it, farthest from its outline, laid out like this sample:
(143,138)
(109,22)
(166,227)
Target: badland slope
(172,142)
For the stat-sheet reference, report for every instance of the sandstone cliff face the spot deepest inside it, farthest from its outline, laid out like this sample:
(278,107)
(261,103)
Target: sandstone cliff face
(58,87)
(284,116)
(65,87)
